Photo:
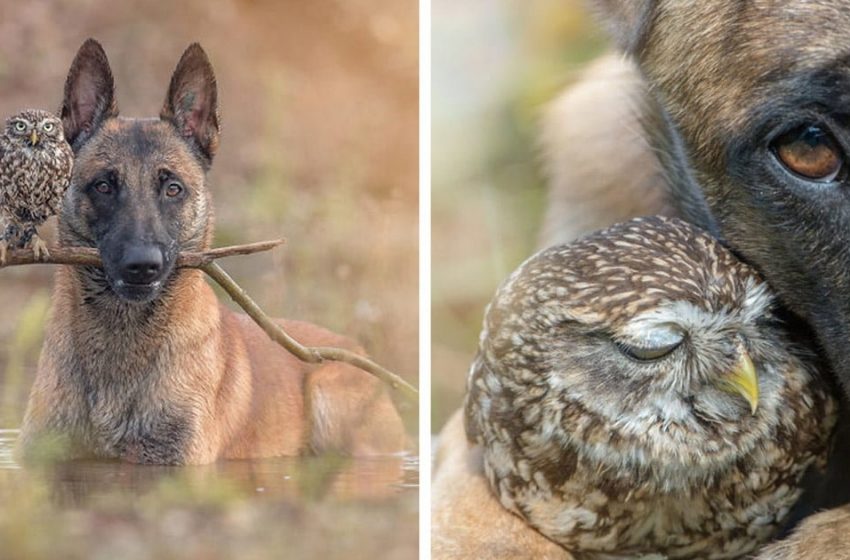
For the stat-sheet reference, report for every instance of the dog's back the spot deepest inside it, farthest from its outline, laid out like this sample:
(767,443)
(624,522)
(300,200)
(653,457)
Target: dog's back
(342,408)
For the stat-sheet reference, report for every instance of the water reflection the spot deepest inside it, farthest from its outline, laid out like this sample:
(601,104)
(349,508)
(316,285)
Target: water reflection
(7,442)
(281,479)
(316,507)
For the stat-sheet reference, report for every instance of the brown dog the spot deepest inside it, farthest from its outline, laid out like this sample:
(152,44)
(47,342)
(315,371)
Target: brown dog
(140,361)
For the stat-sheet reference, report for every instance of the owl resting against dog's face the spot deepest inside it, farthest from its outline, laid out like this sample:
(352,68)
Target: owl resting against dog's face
(634,394)
(35,170)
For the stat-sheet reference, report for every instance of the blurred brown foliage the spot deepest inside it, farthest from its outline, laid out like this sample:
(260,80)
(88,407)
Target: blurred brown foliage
(319,104)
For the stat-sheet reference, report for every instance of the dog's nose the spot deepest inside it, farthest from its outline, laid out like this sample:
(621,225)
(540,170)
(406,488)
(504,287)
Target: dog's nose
(141,265)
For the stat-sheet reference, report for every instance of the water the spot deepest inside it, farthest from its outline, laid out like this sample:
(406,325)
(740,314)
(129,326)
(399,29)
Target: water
(312,507)
(7,443)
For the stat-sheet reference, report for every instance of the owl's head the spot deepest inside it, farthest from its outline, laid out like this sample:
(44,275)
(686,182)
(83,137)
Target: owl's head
(34,129)
(647,345)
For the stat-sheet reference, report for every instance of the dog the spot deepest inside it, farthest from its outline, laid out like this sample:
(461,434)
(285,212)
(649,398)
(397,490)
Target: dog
(140,362)
(731,114)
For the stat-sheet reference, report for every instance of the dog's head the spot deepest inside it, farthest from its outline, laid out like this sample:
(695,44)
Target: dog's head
(752,107)
(138,191)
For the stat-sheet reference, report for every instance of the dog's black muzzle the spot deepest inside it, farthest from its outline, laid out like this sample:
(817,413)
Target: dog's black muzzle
(138,272)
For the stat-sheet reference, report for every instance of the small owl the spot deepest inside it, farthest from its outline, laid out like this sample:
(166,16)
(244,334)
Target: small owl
(35,170)
(635,393)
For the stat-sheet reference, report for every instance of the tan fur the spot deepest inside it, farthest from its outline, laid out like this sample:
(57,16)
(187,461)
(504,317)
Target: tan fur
(610,174)
(466,519)
(825,536)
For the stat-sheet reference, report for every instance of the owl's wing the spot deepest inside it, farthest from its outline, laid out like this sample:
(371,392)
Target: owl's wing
(475,386)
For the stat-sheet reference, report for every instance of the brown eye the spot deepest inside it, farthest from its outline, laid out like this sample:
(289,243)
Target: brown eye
(173,189)
(811,152)
(103,187)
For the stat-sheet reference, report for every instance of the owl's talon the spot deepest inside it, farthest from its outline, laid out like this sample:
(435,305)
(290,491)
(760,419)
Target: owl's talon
(39,249)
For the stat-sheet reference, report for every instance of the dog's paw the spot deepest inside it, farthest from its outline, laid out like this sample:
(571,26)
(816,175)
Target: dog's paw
(825,536)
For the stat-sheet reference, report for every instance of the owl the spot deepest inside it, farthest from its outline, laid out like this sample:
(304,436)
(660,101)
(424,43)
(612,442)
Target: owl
(638,393)
(35,170)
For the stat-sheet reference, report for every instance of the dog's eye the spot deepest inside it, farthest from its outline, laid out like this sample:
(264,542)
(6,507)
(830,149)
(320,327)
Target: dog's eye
(811,152)
(103,187)
(173,190)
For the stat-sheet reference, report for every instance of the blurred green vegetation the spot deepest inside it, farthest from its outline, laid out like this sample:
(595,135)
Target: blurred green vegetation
(496,65)
(23,349)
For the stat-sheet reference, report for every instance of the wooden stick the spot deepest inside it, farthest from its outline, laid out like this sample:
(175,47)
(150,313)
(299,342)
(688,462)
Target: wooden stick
(84,256)
(310,354)
(205,261)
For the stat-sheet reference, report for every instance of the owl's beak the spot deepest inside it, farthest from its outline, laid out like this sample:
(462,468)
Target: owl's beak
(742,380)
(34,138)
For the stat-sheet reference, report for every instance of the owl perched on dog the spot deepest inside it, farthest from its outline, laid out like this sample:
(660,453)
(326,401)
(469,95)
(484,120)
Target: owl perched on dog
(635,394)
(35,170)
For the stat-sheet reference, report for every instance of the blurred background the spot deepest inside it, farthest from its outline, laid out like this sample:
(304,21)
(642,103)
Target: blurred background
(319,105)
(496,64)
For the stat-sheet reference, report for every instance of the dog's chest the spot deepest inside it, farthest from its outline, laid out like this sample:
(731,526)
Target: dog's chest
(134,427)
(127,412)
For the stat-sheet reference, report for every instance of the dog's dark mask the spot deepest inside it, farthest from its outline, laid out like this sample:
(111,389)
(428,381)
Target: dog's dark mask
(138,189)
(137,230)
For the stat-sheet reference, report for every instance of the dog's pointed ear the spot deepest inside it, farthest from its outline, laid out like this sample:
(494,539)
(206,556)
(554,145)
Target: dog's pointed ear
(628,21)
(192,102)
(89,94)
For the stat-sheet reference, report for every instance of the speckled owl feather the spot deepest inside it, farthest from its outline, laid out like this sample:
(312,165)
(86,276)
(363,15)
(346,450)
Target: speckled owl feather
(600,395)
